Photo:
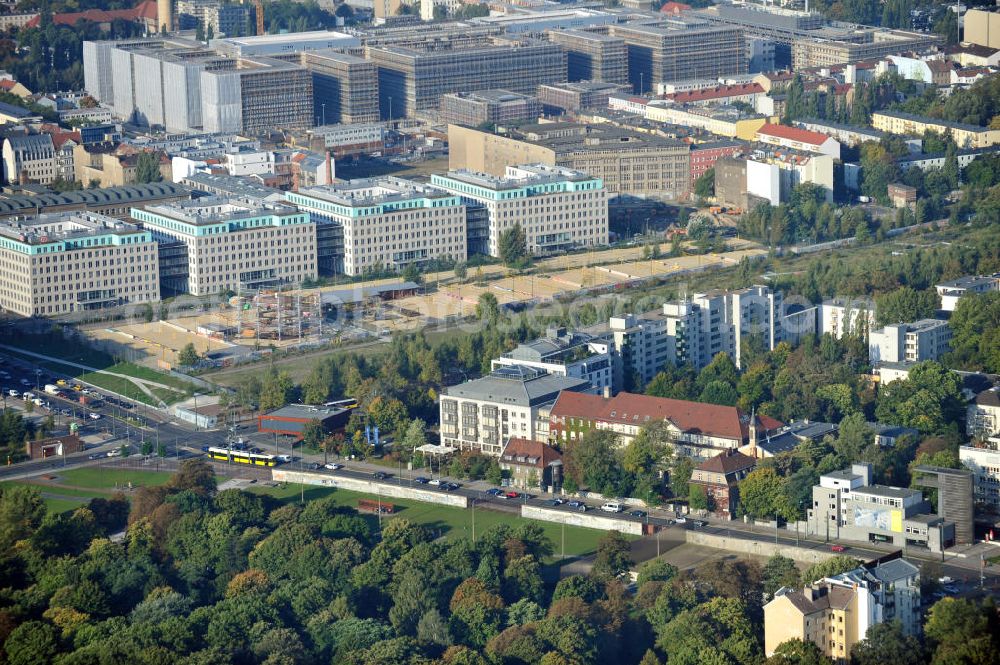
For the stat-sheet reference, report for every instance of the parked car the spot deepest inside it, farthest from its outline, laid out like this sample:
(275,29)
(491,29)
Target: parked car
(699,524)
(420,480)
(612,507)
(94,416)
(555,502)
(450,487)
(434,481)
(380,475)
(117,452)
(312,466)
(680,520)
(578,505)
(96,456)
(950,588)
(13,393)
(638,513)
(837,548)
(494,492)
(510,495)
(332,466)
(946,580)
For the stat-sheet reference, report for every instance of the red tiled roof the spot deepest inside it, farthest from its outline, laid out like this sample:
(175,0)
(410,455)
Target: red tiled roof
(531,453)
(793,134)
(727,462)
(726,422)
(146,9)
(7,84)
(716,92)
(674,7)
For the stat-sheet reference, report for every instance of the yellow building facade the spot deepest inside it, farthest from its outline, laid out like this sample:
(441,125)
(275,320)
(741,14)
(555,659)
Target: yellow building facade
(965,136)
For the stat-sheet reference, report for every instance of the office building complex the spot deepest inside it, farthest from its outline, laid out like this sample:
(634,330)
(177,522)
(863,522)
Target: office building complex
(836,613)
(413,79)
(114,202)
(385,223)
(921,340)
(345,87)
(283,44)
(567,354)
(680,51)
(231,19)
(984,463)
(481,415)
(495,107)
(699,430)
(557,208)
(964,135)
(847,505)
(591,56)
(579,95)
(216,244)
(65,262)
(29,158)
(257,96)
(627,162)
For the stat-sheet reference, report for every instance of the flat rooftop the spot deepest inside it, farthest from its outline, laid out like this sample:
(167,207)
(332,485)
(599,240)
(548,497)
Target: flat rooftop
(216,209)
(289,38)
(304,412)
(886,491)
(494,95)
(48,228)
(372,191)
(519,176)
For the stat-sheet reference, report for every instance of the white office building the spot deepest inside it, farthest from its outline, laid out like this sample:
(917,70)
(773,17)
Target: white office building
(558,208)
(215,244)
(73,262)
(572,354)
(926,339)
(984,463)
(387,223)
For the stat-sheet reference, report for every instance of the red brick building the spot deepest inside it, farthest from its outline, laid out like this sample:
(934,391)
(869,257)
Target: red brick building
(704,155)
(54,446)
(720,477)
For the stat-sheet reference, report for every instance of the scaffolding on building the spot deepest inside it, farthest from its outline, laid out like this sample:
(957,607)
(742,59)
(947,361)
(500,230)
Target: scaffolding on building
(276,315)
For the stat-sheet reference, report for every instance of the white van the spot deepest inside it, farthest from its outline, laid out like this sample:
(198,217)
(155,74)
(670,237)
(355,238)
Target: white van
(613,507)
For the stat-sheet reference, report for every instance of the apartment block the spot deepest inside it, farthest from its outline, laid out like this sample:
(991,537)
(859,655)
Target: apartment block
(58,263)
(725,121)
(626,161)
(982,27)
(983,415)
(495,107)
(699,430)
(847,316)
(481,415)
(385,223)
(579,95)
(679,50)
(216,244)
(29,158)
(847,505)
(345,87)
(836,613)
(570,354)
(412,79)
(984,463)
(704,155)
(592,56)
(953,291)
(799,139)
(926,339)
(908,124)
(557,208)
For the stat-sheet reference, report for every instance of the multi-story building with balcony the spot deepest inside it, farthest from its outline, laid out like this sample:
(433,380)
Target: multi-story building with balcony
(557,208)
(926,339)
(58,263)
(568,354)
(847,316)
(385,223)
(218,244)
(984,463)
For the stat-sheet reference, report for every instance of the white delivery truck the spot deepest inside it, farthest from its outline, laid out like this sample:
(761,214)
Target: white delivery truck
(51,389)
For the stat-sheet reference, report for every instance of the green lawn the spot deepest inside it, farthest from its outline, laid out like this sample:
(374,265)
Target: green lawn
(119,385)
(140,372)
(106,479)
(447,521)
(62,505)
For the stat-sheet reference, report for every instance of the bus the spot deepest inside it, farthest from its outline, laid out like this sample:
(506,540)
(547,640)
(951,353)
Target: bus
(241,457)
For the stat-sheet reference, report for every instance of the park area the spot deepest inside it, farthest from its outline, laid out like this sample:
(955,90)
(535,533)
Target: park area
(67,490)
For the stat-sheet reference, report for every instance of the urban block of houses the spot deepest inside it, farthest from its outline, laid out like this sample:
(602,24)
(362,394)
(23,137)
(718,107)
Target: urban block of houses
(700,430)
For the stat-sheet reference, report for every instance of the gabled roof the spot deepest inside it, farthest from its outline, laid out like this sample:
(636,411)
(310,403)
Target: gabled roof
(793,134)
(727,462)
(674,7)
(718,92)
(525,452)
(726,422)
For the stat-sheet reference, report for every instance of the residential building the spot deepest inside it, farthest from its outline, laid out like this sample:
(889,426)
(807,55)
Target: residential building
(848,135)
(984,463)
(887,372)
(699,430)
(746,93)
(908,124)
(836,613)
(578,95)
(494,107)
(954,496)
(557,208)
(292,419)
(921,340)
(114,202)
(886,435)
(727,121)
(385,223)
(111,165)
(719,477)
(847,316)
(770,176)
(982,27)
(412,79)
(59,263)
(483,414)
(982,420)
(9,113)
(345,87)
(953,291)
(592,56)
(29,158)
(846,505)
(704,155)
(626,161)
(799,139)
(570,354)
(218,244)
(680,49)
(349,139)
(532,465)
(968,54)
(790,437)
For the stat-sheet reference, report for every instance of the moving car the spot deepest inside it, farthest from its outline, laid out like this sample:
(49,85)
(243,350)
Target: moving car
(420,480)
(94,416)
(380,475)
(450,487)
(494,492)
(699,523)
(578,505)
(333,467)
(555,502)
(638,513)
(837,548)
(434,481)
(510,495)
(680,520)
